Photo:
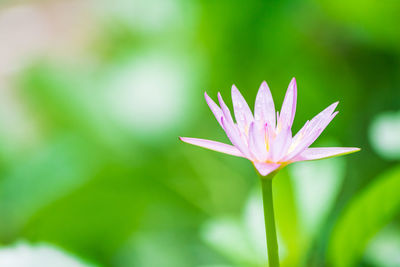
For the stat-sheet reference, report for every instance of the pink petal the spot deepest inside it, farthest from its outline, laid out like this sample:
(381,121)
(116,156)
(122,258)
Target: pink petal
(225,109)
(324,117)
(264,109)
(233,134)
(300,133)
(316,131)
(288,109)
(231,129)
(213,145)
(313,130)
(324,152)
(257,145)
(214,108)
(266,168)
(242,111)
(280,145)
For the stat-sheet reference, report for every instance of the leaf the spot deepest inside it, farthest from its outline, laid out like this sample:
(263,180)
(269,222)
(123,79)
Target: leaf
(287,218)
(48,174)
(66,100)
(384,249)
(242,240)
(230,237)
(319,180)
(365,215)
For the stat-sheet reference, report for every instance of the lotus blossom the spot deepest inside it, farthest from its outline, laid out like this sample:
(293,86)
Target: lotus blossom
(265,138)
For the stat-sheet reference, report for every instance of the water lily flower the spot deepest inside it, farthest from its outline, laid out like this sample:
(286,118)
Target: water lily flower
(265,138)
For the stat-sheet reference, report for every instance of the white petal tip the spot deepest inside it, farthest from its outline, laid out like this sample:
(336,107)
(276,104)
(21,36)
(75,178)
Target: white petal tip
(334,105)
(325,152)
(207,97)
(348,150)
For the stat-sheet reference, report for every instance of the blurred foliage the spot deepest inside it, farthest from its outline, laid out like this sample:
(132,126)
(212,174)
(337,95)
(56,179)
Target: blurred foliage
(93,95)
(365,215)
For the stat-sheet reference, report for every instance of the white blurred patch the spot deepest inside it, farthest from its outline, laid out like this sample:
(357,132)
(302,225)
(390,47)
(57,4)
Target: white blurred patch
(57,29)
(41,255)
(155,248)
(254,221)
(149,95)
(384,135)
(26,32)
(54,28)
(253,218)
(242,239)
(228,236)
(384,249)
(152,16)
(316,184)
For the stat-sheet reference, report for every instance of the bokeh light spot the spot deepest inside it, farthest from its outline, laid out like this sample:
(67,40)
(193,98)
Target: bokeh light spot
(384,135)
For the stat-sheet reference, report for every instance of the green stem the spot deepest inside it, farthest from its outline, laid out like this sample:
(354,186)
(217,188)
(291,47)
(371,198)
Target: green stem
(272,242)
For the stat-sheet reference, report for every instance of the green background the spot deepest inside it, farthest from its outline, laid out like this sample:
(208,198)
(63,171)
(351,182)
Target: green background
(94,95)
